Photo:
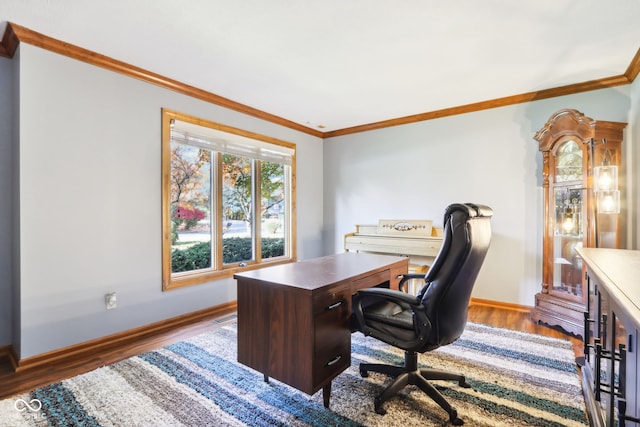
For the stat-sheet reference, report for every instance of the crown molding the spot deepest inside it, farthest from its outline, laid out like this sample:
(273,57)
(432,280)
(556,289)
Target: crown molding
(634,68)
(9,42)
(485,105)
(16,34)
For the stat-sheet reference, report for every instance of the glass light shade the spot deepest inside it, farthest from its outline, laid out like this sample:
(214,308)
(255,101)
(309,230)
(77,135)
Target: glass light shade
(608,202)
(605,178)
(568,224)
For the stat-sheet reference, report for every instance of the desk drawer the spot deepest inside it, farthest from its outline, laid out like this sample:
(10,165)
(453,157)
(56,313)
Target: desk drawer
(332,345)
(334,298)
(332,336)
(370,281)
(396,275)
(329,362)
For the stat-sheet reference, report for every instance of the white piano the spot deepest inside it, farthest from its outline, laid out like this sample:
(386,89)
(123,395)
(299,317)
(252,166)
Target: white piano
(417,239)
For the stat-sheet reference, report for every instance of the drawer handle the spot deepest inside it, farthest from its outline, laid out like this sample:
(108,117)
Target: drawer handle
(335,305)
(334,360)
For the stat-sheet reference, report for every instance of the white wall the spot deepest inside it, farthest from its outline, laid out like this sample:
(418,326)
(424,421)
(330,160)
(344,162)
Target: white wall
(6,171)
(90,200)
(633,164)
(414,171)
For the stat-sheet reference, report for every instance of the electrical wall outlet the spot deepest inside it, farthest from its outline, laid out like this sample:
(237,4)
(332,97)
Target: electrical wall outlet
(110,300)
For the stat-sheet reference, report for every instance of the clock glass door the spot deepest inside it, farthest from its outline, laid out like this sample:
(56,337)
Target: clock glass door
(569,221)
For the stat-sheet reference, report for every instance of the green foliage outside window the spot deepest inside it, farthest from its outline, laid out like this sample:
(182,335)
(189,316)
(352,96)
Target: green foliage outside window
(237,249)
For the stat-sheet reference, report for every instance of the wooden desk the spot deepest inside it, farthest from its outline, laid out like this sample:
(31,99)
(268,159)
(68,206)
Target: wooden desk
(612,330)
(294,319)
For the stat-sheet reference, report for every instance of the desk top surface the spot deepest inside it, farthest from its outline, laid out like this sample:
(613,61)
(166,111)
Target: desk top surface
(314,273)
(618,270)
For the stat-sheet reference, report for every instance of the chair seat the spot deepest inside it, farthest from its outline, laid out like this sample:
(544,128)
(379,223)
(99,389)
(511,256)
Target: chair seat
(392,320)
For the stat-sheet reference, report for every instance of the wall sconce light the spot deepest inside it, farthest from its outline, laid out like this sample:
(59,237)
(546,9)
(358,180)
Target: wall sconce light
(608,202)
(606,178)
(605,183)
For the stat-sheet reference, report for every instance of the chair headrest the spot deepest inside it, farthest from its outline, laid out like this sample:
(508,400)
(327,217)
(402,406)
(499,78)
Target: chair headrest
(471,209)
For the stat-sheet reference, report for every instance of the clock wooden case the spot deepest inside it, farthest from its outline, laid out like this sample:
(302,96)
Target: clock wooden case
(568,141)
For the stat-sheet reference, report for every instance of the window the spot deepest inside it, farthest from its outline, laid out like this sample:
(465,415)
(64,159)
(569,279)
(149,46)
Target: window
(227,200)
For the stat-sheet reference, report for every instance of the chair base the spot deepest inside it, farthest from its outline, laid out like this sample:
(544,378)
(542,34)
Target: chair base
(411,374)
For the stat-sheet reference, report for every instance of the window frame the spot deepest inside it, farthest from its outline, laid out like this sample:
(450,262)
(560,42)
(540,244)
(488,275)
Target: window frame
(220,270)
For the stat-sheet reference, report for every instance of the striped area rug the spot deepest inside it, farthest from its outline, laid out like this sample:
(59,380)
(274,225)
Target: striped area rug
(517,379)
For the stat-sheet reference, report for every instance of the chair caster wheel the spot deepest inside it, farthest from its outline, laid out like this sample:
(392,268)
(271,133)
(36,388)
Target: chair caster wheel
(453,417)
(378,407)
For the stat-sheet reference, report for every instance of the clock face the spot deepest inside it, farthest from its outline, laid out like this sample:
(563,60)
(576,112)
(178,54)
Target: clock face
(568,162)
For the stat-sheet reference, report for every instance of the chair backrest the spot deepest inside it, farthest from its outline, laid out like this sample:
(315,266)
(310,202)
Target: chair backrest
(450,280)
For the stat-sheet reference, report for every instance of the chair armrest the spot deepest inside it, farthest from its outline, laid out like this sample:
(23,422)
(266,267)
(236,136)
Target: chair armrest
(410,276)
(387,294)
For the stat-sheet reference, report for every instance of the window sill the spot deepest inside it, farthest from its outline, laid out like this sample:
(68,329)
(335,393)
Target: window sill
(182,280)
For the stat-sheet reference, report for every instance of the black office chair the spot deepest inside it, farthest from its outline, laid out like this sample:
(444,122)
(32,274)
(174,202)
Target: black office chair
(437,315)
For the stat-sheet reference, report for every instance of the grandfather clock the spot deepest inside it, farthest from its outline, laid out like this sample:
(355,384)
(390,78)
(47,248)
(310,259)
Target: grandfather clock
(573,147)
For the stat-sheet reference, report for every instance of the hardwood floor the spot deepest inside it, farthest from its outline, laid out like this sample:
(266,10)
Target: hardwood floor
(519,320)
(12,383)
